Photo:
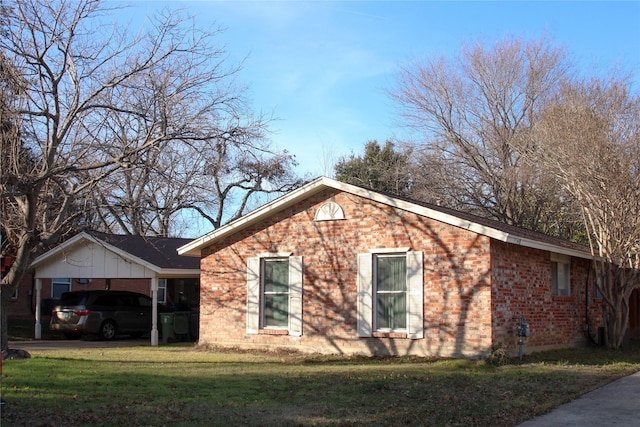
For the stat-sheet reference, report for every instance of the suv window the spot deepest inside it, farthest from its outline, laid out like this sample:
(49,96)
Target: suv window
(106,301)
(73,298)
(144,302)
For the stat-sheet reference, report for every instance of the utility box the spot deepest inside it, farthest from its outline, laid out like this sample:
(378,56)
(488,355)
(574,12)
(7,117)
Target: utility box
(181,323)
(167,321)
(175,326)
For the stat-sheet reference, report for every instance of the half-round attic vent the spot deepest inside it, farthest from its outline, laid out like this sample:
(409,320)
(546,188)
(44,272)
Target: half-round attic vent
(329,211)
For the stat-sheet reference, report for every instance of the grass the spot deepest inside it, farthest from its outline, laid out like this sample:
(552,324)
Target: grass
(185,385)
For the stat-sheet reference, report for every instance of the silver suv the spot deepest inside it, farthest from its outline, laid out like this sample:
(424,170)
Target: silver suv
(102,313)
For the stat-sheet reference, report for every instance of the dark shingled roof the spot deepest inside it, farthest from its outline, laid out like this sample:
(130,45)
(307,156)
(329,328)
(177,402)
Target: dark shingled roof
(159,251)
(497,225)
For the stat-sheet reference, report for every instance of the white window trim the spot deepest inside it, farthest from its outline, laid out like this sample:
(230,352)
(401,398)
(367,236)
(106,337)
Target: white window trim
(557,260)
(162,284)
(61,281)
(376,292)
(263,292)
(415,292)
(254,293)
(390,251)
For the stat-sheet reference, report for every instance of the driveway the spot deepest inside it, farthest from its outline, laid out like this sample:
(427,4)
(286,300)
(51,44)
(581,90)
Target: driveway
(35,345)
(616,404)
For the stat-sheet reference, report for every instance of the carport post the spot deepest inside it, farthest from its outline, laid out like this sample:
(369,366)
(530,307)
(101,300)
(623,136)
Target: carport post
(38,330)
(154,311)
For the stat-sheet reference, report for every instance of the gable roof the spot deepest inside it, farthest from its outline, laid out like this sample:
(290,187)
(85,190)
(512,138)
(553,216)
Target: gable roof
(155,253)
(483,226)
(159,251)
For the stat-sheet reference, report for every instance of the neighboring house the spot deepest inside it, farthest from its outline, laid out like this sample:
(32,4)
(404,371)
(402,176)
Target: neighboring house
(335,268)
(116,262)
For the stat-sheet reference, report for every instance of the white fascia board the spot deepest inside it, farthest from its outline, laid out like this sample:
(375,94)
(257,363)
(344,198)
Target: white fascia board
(536,244)
(178,272)
(69,243)
(423,211)
(195,247)
(493,233)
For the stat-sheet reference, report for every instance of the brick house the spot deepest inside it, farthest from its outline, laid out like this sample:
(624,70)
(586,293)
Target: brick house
(335,268)
(92,261)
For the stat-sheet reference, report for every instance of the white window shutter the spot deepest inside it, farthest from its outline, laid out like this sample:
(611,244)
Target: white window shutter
(365,295)
(253,295)
(295,296)
(415,295)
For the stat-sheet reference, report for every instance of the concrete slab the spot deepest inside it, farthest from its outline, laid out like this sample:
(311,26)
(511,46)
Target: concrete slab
(616,404)
(72,344)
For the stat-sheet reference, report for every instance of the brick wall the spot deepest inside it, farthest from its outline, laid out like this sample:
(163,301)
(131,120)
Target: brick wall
(20,306)
(457,279)
(521,285)
(461,270)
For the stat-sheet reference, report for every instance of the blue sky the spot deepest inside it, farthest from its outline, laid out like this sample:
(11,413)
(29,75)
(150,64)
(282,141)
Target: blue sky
(323,68)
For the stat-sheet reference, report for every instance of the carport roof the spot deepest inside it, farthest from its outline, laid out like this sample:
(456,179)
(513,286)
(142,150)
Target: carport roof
(157,253)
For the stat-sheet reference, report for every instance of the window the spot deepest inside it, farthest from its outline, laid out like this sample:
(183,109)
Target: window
(162,291)
(390,282)
(560,266)
(390,292)
(274,293)
(59,286)
(598,284)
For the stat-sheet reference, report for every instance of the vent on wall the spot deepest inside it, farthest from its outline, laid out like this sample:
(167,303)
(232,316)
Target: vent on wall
(329,211)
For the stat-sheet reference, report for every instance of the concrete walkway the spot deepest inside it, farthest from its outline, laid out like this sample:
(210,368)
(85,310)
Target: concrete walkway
(616,404)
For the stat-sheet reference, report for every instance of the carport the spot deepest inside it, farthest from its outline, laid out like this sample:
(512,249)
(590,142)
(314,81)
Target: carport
(106,261)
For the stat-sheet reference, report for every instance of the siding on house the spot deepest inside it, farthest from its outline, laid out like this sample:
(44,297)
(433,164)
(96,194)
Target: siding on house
(475,288)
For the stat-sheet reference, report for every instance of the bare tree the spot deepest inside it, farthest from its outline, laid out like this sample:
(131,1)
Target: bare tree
(589,138)
(213,181)
(473,113)
(157,188)
(76,74)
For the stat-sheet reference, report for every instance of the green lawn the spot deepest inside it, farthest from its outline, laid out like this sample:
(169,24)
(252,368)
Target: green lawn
(182,385)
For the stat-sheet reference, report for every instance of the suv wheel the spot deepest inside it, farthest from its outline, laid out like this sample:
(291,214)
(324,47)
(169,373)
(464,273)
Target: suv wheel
(108,330)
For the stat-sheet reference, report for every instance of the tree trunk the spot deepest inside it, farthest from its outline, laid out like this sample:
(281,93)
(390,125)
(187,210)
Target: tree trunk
(616,316)
(4,330)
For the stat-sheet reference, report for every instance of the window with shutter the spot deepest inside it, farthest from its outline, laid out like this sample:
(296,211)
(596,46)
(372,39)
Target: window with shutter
(274,293)
(390,292)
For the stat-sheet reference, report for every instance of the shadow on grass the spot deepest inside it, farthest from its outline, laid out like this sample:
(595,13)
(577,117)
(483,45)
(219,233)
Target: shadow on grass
(195,388)
(591,356)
